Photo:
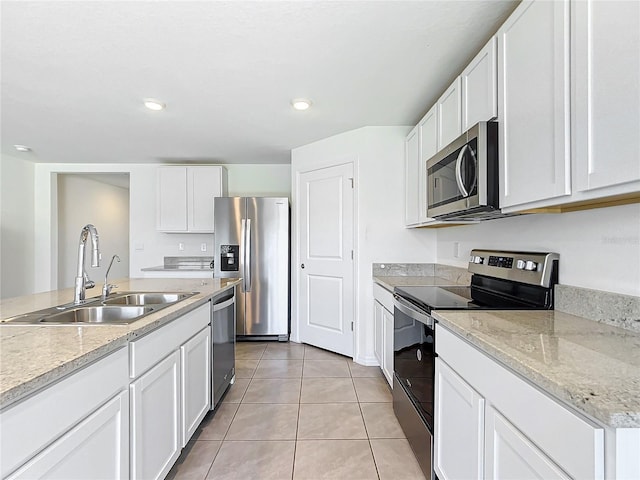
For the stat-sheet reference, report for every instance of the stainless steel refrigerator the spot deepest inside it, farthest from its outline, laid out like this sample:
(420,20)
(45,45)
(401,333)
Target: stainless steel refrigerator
(252,242)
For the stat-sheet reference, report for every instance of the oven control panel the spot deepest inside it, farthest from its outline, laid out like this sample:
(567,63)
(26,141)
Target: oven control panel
(535,268)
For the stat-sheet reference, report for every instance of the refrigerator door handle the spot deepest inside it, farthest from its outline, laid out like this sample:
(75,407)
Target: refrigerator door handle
(247,263)
(243,235)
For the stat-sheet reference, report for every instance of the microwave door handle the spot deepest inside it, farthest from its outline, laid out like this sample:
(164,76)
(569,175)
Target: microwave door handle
(459,180)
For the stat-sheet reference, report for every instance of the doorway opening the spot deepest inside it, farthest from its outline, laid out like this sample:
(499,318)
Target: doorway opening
(101,199)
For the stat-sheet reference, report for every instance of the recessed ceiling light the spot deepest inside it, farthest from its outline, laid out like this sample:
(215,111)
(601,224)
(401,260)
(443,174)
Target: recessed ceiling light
(153,104)
(301,103)
(22,148)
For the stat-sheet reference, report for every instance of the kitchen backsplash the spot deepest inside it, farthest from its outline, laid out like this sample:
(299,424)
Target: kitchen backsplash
(403,269)
(611,308)
(455,274)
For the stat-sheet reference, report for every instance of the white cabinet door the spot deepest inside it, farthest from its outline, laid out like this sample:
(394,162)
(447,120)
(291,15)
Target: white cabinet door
(480,87)
(533,69)
(96,448)
(412,177)
(195,360)
(377,331)
(428,132)
(203,185)
(172,199)
(185,197)
(155,420)
(387,345)
(449,115)
(459,426)
(606,82)
(511,455)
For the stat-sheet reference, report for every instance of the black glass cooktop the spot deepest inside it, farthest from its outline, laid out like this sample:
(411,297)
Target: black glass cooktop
(429,298)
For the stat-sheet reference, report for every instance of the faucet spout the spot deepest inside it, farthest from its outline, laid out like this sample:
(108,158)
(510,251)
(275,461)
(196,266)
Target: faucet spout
(82,279)
(106,288)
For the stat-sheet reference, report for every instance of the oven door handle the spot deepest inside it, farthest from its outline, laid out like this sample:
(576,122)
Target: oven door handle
(410,311)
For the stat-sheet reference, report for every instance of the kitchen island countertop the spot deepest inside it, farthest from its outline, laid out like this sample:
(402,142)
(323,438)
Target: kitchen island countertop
(590,366)
(34,356)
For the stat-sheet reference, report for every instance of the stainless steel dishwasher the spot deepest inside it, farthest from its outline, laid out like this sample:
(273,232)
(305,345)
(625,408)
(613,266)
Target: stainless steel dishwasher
(223,335)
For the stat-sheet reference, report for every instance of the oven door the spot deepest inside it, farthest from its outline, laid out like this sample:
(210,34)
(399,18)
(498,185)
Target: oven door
(414,356)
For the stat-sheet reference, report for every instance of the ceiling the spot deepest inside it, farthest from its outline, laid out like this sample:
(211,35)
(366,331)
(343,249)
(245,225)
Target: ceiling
(74,74)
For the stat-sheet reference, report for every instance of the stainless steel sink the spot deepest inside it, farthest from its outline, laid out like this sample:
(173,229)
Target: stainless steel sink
(120,309)
(100,314)
(147,298)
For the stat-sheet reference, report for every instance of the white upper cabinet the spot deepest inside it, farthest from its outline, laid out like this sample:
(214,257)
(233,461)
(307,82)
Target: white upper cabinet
(411,176)
(185,197)
(479,83)
(449,115)
(606,83)
(428,130)
(534,103)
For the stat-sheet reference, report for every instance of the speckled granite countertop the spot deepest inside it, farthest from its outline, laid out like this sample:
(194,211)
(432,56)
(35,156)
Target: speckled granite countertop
(391,282)
(589,365)
(32,357)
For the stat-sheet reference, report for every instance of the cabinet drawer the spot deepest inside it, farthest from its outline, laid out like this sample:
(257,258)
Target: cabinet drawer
(569,439)
(150,349)
(384,296)
(31,425)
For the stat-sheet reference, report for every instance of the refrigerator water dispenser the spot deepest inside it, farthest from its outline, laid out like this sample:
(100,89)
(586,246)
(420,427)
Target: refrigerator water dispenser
(229,258)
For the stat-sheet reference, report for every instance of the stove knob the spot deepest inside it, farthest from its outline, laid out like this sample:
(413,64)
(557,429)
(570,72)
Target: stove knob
(531,266)
(471,258)
(478,260)
(520,264)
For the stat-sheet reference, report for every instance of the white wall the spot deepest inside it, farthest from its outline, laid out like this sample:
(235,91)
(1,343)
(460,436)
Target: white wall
(83,200)
(599,249)
(259,180)
(147,247)
(378,154)
(16,227)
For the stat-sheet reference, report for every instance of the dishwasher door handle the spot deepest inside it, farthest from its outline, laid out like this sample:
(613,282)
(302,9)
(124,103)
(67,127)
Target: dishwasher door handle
(221,306)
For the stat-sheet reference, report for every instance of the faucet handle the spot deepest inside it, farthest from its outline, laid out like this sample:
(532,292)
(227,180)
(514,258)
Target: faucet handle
(89,284)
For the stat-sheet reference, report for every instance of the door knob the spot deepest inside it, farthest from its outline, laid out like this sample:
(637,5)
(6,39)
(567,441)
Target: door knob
(302,266)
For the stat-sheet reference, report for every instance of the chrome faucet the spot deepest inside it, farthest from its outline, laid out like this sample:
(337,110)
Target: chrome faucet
(82,279)
(106,288)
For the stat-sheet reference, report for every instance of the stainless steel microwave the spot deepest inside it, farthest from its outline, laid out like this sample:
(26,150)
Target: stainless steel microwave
(462,179)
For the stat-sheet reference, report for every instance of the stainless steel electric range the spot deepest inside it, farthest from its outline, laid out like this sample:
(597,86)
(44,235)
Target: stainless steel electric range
(501,280)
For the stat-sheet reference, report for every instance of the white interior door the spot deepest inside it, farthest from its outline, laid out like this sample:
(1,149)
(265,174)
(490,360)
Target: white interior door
(326,279)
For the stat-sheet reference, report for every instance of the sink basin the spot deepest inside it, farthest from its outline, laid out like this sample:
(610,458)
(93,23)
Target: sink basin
(84,315)
(147,298)
(98,315)
(121,308)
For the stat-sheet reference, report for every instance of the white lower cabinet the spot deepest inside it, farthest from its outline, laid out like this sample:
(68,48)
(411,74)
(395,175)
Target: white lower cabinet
(383,330)
(195,360)
(95,448)
(377,331)
(155,420)
(170,391)
(77,428)
(383,346)
(387,342)
(525,432)
(459,426)
(510,454)
(127,415)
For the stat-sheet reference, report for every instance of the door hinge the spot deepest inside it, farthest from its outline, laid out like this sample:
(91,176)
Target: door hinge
(351,180)
(352,326)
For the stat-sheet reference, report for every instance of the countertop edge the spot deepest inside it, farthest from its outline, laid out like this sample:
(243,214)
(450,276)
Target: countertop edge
(34,385)
(532,376)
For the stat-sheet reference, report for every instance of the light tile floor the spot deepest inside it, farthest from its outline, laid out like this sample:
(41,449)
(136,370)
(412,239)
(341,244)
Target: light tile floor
(298,412)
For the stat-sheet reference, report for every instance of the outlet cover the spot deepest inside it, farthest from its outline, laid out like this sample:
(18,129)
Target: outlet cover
(203,247)
(181,246)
